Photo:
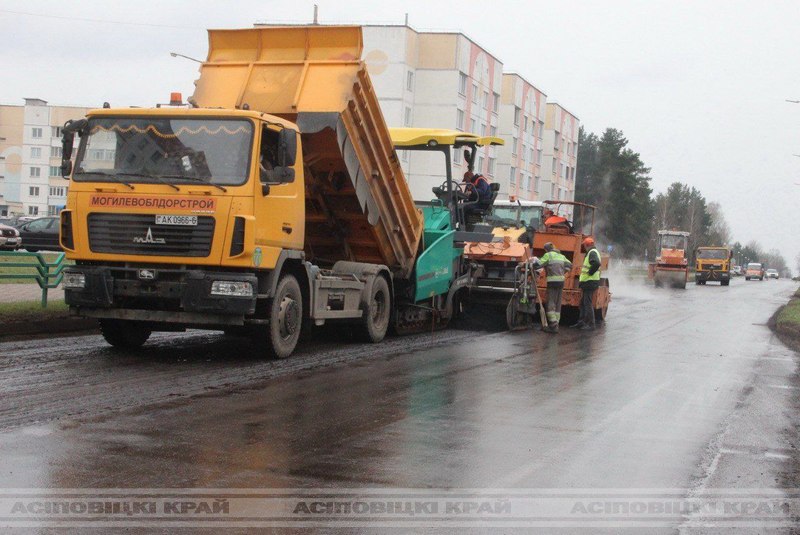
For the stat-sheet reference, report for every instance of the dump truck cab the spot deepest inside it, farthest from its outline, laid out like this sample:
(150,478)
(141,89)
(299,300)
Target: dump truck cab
(713,264)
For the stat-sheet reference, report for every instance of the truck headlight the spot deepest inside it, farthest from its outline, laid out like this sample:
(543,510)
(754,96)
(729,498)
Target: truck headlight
(74,281)
(232,288)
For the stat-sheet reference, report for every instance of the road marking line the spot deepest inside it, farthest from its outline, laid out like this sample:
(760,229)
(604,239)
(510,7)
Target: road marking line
(771,455)
(784,387)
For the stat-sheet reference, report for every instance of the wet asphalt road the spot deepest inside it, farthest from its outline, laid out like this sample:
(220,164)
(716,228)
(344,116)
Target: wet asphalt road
(679,390)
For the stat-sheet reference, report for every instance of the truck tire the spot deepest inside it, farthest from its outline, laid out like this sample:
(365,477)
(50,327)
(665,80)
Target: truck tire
(124,334)
(378,311)
(285,318)
(725,283)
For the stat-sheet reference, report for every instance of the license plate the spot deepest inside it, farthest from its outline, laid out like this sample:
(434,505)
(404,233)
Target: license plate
(185,220)
(11,240)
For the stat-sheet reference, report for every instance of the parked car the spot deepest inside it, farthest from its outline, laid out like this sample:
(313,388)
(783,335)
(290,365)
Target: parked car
(773,274)
(9,238)
(41,234)
(754,271)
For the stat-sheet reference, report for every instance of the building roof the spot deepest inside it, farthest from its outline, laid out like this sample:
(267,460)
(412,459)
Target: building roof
(518,75)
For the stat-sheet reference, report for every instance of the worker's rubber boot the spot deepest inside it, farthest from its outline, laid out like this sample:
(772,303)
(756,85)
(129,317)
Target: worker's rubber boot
(553,328)
(577,325)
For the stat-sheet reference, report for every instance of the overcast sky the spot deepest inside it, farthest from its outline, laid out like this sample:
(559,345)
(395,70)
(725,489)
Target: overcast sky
(699,88)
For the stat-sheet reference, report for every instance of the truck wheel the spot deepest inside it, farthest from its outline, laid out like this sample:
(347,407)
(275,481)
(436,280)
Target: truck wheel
(124,334)
(285,318)
(725,283)
(378,311)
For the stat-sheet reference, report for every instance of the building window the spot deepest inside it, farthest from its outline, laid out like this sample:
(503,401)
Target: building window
(55,170)
(541,129)
(36,133)
(36,172)
(457,156)
(56,131)
(474,93)
(485,100)
(55,152)
(462,83)
(36,152)
(407,120)
(554,166)
(57,191)
(410,81)
(473,126)
(528,183)
(480,164)
(494,131)
(33,210)
(491,166)
(483,130)
(460,119)
(404,155)
(539,156)
(525,127)
(533,158)
(33,191)
(536,184)
(496,103)
(517,113)
(513,176)
(513,146)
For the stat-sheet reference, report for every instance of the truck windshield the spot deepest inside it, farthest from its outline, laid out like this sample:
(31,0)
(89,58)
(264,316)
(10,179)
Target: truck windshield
(164,149)
(672,241)
(713,254)
(754,266)
(531,215)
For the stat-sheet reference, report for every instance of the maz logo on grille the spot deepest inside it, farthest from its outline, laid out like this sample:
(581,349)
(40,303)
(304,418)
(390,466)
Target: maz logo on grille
(148,238)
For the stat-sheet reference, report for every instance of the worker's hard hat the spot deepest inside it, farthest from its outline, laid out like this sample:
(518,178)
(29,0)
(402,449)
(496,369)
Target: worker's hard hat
(588,241)
(548,246)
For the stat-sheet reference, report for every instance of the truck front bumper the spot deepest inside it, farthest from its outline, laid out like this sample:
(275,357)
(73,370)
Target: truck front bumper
(188,292)
(712,275)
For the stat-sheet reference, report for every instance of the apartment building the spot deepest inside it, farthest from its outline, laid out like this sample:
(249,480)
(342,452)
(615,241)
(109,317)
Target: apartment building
(560,157)
(522,122)
(435,80)
(30,157)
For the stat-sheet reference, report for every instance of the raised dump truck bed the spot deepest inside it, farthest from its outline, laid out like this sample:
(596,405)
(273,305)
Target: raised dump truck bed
(358,204)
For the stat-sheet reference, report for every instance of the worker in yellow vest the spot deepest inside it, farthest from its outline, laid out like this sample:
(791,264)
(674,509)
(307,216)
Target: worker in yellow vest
(589,281)
(555,265)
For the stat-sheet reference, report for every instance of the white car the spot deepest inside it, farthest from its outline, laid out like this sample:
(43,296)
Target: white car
(773,274)
(9,238)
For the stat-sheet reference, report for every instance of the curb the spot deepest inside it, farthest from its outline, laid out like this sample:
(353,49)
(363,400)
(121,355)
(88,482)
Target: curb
(53,326)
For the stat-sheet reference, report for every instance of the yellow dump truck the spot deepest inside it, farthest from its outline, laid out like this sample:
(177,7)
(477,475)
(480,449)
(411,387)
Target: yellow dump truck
(274,200)
(713,264)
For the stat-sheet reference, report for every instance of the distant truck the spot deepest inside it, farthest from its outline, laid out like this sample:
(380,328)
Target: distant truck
(754,270)
(713,264)
(275,201)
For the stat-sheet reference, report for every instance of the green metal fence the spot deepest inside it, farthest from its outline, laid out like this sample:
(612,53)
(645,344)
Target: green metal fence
(47,274)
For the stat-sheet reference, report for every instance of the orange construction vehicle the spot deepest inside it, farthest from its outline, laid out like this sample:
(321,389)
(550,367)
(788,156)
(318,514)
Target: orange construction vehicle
(507,274)
(671,266)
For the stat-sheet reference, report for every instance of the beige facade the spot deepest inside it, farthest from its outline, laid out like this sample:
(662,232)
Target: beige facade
(560,157)
(446,80)
(30,156)
(522,120)
(435,80)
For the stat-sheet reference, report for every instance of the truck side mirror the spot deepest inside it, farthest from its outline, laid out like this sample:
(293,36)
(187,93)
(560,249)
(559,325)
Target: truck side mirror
(67,142)
(287,147)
